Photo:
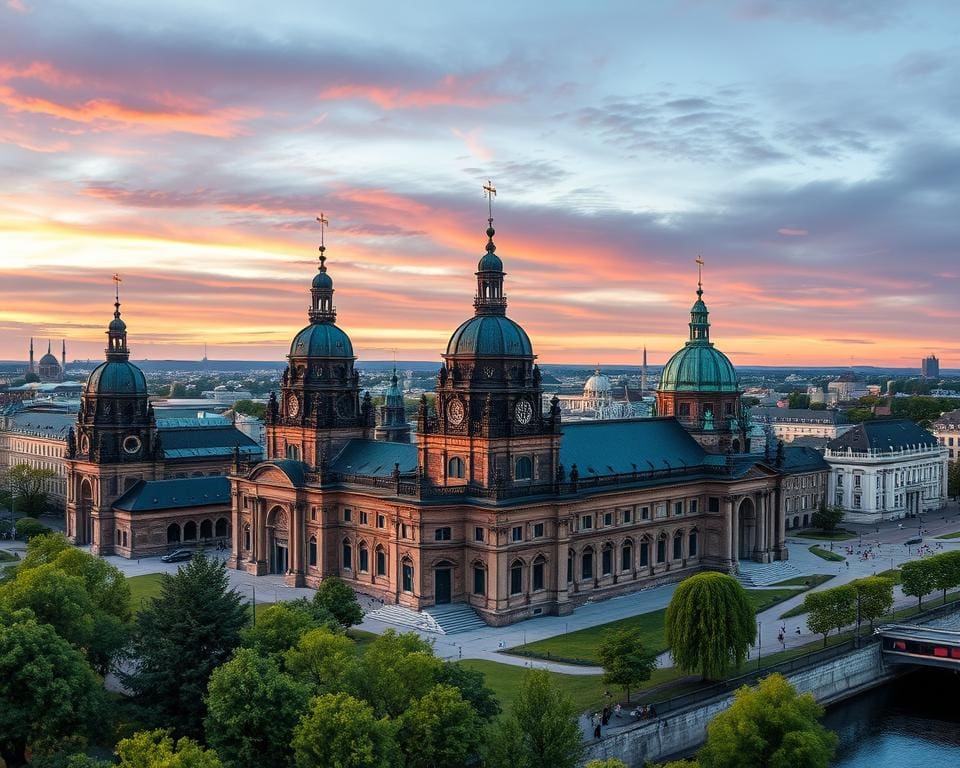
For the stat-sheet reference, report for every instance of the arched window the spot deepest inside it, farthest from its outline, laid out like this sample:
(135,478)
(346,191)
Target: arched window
(293,452)
(570,566)
(524,468)
(538,573)
(124,538)
(206,529)
(626,556)
(662,548)
(586,564)
(479,580)
(644,553)
(246,537)
(364,558)
(516,577)
(692,544)
(221,528)
(190,531)
(678,545)
(455,467)
(173,533)
(347,556)
(407,570)
(381,557)
(606,560)
(312,551)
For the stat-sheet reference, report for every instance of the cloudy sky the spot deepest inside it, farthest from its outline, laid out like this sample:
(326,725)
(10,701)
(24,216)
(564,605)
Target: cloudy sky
(809,150)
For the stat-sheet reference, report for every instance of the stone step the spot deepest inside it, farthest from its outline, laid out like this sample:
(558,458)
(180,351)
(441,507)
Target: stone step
(455,617)
(765,574)
(404,617)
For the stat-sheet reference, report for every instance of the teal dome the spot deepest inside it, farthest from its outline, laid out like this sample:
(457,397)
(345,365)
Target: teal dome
(490,336)
(322,281)
(116,377)
(699,367)
(321,340)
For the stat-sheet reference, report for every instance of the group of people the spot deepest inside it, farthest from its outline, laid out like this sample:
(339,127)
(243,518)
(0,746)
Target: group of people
(602,719)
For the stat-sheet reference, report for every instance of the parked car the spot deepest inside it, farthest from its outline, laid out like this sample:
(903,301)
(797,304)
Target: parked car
(914,540)
(177,556)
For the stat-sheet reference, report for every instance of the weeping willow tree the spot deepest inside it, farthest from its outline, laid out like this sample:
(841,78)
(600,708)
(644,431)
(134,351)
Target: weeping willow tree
(709,624)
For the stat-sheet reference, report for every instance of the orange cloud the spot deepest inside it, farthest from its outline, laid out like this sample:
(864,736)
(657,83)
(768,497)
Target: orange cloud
(451,91)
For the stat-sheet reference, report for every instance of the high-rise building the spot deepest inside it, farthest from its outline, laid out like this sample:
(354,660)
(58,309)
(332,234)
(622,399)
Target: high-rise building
(930,367)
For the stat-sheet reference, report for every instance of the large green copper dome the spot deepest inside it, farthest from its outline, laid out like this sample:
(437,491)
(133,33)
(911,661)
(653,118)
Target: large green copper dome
(699,366)
(321,340)
(116,377)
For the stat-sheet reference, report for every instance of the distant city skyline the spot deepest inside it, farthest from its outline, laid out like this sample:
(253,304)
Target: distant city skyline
(807,150)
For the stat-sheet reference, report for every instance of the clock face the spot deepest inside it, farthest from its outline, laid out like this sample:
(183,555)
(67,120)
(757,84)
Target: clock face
(344,406)
(524,411)
(293,405)
(489,371)
(131,444)
(455,412)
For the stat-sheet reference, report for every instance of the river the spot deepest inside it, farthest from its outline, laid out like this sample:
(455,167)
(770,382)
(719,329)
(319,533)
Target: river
(913,721)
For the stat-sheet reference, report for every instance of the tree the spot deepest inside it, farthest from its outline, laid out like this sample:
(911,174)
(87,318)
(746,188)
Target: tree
(542,729)
(325,661)
(396,669)
(155,749)
(917,578)
(252,709)
(826,518)
(830,608)
(798,400)
(472,687)
(180,638)
(29,486)
(709,624)
(874,596)
(946,571)
(250,408)
(44,549)
(340,731)
(625,663)
(28,527)
(439,730)
(281,625)
(770,725)
(611,762)
(953,479)
(48,693)
(336,597)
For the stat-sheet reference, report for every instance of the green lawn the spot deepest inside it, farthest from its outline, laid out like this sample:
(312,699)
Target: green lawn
(142,588)
(8,557)
(893,574)
(362,638)
(954,535)
(580,647)
(826,554)
(809,582)
(840,535)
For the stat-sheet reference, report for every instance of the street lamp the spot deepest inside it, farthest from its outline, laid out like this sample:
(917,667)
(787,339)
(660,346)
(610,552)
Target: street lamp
(759,641)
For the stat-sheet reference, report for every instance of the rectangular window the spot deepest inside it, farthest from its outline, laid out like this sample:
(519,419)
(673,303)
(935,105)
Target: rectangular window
(840,500)
(363,518)
(644,513)
(479,580)
(628,516)
(313,513)
(538,530)
(403,530)
(313,552)
(693,544)
(678,508)
(364,560)
(607,519)
(516,580)
(606,561)
(839,479)
(407,577)
(677,547)
(478,534)
(626,558)
(693,506)
(381,521)
(347,514)
(442,534)
(381,563)
(857,480)
(661,550)
(660,510)
(537,575)
(586,522)
(517,533)
(347,557)
(856,500)
(586,565)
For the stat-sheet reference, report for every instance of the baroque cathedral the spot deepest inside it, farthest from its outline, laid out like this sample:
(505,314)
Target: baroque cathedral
(497,503)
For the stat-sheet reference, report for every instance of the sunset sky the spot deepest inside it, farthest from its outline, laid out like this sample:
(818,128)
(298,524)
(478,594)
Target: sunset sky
(809,150)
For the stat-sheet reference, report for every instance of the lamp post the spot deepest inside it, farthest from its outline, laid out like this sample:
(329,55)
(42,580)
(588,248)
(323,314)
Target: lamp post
(759,641)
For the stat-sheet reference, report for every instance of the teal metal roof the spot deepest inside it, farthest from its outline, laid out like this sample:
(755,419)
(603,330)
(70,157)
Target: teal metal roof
(886,435)
(117,377)
(374,458)
(490,336)
(321,340)
(629,445)
(157,495)
(192,438)
(798,459)
(698,367)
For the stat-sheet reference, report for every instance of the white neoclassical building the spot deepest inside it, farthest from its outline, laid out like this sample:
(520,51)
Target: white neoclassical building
(598,403)
(947,431)
(886,470)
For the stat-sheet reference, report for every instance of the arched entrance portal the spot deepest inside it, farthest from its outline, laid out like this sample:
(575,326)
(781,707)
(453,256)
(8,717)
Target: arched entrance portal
(443,582)
(278,540)
(747,529)
(84,532)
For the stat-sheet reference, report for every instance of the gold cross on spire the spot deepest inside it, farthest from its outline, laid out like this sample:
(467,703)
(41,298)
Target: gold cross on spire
(116,284)
(491,192)
(699,271)
(324,223)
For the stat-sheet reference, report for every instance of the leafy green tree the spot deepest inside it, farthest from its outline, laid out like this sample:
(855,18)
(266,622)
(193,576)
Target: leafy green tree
(709,624)
(55,598)
(44,549)
(48,693)
(340,731)
(335,596)
(946,571)
(28,527)
(252,709)
(180,638)
(953,479)
(472,687)
(798,400)
(830,608)
(875,597)
(324,660)
(770,725)
(859,415)
(29,488)
(439,730)
(611,762)
(396,669)
(542,729)
(156,749)
(250,408)
(281,625)
(625,663)
(918,578)
(827,518)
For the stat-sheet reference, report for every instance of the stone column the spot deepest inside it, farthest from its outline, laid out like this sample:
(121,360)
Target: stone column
(761,531)
(294,575)
(728,552)
(734,533)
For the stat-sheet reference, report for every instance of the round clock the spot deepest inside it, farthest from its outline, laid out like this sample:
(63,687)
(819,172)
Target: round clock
(293,405)
(524,411)
(131,444)
(455,412)
(344,406)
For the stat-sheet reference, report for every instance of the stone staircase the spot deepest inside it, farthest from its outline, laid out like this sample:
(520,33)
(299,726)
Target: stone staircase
(441,619)
(765,574)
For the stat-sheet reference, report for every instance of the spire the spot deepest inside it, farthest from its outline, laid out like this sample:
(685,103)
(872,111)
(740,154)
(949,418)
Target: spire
(321,290)
(643,372)
(117,330)
(49,348)
(31,357)
(699,324)
(490,299)
(63,354)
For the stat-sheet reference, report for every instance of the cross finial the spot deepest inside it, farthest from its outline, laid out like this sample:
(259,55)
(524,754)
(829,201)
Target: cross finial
(699,273)
(491,192)
(324,223)
(116,284)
